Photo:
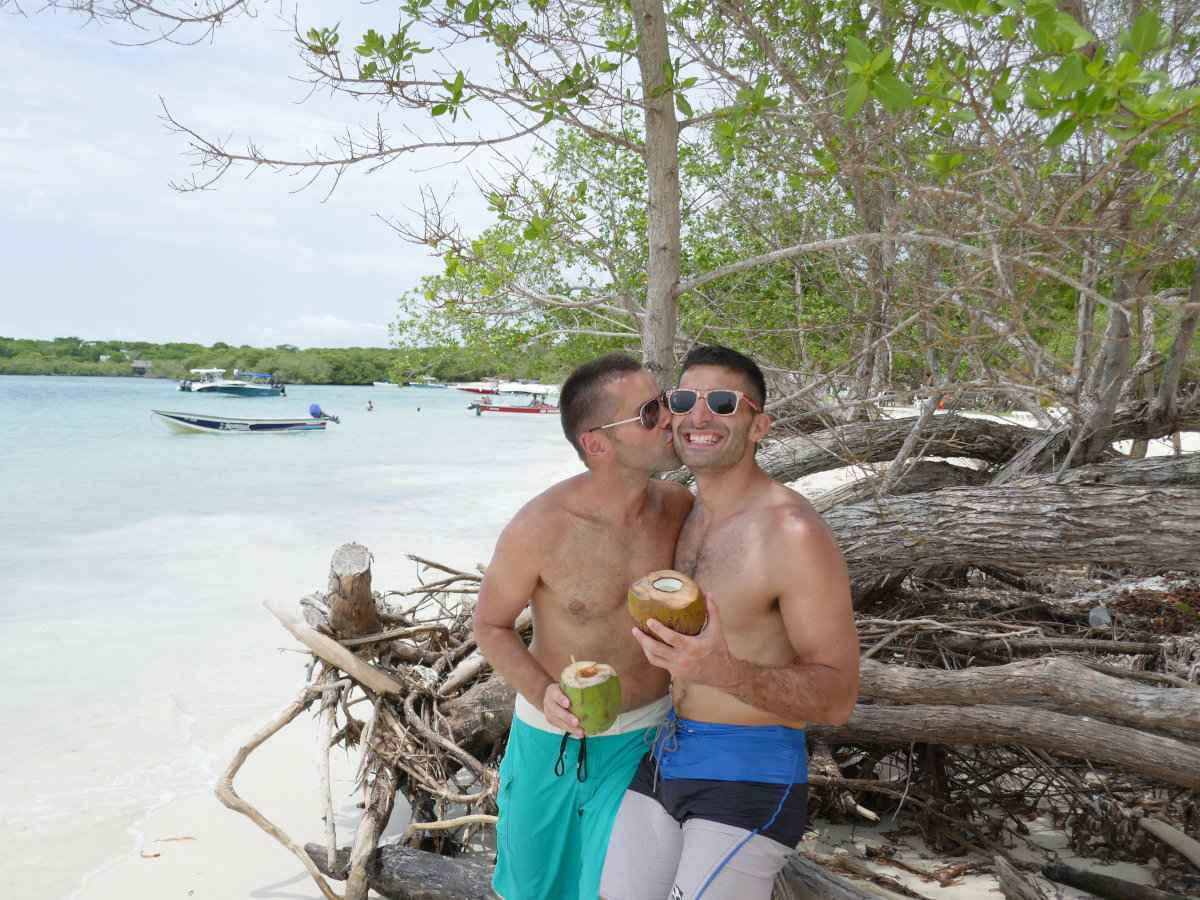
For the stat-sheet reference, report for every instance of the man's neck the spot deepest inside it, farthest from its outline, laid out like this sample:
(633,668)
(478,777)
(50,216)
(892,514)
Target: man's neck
(618,496)
(723,492)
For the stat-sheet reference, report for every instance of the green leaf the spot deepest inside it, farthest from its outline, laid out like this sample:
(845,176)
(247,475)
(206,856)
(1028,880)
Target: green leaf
(856,96)
(880,61)
(439,109)
(858,56)
(1070,76)
(681,103)
(945,163)
(1077,35)
(1061,133)
(893,93)
(537,227)
(471,13)
(1144,35)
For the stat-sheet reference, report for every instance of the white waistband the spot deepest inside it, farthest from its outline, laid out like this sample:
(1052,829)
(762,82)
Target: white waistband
(649,716)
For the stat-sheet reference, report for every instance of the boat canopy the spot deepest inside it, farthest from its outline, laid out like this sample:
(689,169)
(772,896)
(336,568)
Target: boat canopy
(526,387)
(208,371)
(244,374)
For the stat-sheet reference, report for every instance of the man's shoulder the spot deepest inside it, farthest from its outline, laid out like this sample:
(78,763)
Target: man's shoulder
(788,516)
(672,494)
(549,508)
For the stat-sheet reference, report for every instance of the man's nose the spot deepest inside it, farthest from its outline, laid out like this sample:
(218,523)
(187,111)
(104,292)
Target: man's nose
(700,414)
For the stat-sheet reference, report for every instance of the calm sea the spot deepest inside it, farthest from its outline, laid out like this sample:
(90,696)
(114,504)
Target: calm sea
(137,561)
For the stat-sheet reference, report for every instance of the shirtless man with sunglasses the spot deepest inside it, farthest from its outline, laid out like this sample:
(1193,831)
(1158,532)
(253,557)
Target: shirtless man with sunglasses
(721,800)
(571,554)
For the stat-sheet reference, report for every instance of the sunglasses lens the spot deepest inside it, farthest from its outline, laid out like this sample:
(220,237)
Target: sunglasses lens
(722,403)
(649,412)
(681,401)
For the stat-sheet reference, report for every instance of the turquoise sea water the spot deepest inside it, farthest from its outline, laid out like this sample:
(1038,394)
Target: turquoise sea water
(137,560)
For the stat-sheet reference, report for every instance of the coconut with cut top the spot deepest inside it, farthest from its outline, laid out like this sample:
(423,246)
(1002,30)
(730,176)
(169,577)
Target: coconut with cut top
(595,694)
(670,597)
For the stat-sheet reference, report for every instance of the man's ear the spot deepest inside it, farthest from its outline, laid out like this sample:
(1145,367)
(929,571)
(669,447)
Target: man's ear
(593,444)
(759,427)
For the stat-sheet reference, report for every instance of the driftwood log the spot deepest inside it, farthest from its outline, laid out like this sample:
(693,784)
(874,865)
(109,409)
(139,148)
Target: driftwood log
(1105,885)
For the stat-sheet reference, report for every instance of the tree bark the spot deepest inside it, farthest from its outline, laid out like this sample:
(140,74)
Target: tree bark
(1058,682)
(352,611)
(366,837)
(1014,885)
(662,178)
(1105,885)
(917,478)
(1166,759)
(1020,527)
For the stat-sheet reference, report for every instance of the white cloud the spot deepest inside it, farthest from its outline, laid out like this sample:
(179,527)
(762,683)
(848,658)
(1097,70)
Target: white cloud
(324,330)
(95,239)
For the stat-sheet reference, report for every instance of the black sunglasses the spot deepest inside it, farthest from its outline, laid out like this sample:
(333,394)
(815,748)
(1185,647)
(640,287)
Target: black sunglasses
(721,402)
(648,414)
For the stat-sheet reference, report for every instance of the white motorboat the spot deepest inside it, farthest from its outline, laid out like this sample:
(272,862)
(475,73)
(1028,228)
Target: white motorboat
(243,384)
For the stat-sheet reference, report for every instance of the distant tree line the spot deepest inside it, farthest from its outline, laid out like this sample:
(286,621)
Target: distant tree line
(321,365)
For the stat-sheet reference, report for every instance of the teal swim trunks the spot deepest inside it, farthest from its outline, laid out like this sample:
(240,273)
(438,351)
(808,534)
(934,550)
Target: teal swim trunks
(553,830)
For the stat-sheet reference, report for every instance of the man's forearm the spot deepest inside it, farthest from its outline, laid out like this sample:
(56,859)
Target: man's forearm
(809,693)
(512,661)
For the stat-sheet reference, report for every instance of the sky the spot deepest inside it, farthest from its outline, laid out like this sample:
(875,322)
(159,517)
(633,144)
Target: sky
(95,243)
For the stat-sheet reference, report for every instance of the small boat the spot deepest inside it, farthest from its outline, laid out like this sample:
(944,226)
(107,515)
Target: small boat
(382,384)
(426,383)
(479,387)
(191,423)
(243,384)
(526,387)
(537,405)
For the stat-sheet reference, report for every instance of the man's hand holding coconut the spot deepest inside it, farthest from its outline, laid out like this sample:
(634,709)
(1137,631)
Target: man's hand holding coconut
(588,701)
(721,801)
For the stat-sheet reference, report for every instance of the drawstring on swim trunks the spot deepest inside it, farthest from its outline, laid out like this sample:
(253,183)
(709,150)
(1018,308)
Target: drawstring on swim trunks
(560,765)
(664,739)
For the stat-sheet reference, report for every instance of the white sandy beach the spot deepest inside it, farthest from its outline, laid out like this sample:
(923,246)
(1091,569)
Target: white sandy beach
(189,846)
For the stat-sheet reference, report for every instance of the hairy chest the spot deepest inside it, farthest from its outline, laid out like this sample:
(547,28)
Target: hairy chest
(589,577)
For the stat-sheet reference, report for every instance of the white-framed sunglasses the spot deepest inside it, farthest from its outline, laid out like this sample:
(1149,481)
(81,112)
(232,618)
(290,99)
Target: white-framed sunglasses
(720,401)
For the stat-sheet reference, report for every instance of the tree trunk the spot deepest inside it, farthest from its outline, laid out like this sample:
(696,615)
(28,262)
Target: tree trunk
(662,174)
(1105,885)
(1064,684)
(1020,528)
(1163,758)
(352,611)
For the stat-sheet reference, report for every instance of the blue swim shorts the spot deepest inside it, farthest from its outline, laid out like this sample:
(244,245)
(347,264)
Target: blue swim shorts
(553,829)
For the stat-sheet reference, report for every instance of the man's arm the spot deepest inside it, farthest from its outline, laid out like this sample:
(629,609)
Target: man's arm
(818,615)
(814,600)
(508,584)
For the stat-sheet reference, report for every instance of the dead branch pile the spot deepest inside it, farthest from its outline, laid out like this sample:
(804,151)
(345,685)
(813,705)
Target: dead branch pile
(987,700)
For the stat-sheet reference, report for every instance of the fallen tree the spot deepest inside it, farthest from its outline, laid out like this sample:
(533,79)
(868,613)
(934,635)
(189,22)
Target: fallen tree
(968,745)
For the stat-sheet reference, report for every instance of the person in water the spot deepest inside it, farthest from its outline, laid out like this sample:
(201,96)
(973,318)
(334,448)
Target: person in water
(570,554)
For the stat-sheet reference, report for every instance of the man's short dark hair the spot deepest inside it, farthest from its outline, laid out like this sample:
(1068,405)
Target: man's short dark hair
(732,360)
(582,398)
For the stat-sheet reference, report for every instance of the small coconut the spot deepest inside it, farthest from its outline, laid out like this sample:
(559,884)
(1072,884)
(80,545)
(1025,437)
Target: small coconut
(595,694)
(670,597)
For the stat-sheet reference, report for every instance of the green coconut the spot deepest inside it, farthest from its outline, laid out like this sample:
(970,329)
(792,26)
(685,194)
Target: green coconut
(670,597)
(595,694)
